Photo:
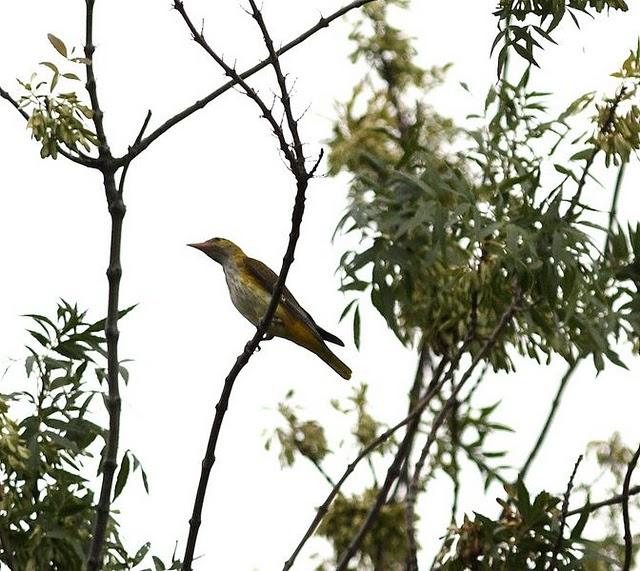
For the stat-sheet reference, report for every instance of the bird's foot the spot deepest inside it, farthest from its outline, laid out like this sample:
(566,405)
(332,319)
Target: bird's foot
(267,337)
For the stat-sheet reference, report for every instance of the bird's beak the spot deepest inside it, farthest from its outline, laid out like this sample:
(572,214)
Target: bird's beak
(198,246)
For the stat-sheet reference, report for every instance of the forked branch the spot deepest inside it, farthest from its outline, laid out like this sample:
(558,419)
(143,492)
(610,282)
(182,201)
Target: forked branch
(293,153)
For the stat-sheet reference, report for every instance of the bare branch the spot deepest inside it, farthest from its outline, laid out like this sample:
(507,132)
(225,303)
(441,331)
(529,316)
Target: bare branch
(291,155)
(125,169)
(550,417)
(114,274)
(628,538)
(295,157)
(608,502)
(441,416)
(282,82)
(563,516)
(117,212)
(322,23)
(92,88)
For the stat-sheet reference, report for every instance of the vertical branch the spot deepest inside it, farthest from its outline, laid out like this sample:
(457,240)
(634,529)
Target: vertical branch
(563,516)
(241,361)
(117,211)
(628,538)
(295,157)
(613,211)
(412,493)
(414,396)
(92,89)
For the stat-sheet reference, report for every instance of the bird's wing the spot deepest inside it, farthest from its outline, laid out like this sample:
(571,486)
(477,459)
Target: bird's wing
(264,275)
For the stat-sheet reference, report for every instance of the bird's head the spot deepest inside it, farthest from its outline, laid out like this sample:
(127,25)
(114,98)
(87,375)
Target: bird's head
(219,249)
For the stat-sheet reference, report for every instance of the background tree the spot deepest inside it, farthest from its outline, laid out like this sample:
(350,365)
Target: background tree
(476,252)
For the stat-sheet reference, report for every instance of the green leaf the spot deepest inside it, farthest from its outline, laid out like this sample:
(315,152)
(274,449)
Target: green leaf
(99,325)
(51,66)
(39,337)
(356,327)
(58,44)
(576,532)
(583,155)
(123,474)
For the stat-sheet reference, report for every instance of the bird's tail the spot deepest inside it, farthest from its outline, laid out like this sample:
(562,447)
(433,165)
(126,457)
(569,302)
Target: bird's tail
(336,364)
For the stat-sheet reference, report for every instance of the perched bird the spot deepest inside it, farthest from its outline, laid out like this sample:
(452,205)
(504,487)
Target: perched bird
(251,284)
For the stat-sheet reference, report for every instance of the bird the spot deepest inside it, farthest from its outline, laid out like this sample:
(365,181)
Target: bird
(251,284)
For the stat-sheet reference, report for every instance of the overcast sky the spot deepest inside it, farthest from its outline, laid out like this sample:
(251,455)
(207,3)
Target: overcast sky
(219,174)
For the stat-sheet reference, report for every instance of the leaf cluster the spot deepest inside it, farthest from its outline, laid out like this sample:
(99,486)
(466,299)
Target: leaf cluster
(524,536)
(57,118)
(540,18)
(384,547)
(48,446)
(439,228)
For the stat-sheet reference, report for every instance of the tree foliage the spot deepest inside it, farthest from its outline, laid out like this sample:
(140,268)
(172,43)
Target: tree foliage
(453,220)
(51,447)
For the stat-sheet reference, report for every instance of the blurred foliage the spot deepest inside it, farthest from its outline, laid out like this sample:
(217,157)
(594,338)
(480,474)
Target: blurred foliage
(526,532)
(305,437)
(48,446)
(539,19)
(468,430)
(447,222)
(57,118)
(384,547)
(366,428)
(523,537)
(474,211)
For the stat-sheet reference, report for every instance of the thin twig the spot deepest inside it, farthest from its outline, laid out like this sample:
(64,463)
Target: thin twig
(550,417)
(92,88)
(125,169)
(295,158)
(440,417)
(320,469)
(282,82)
(613,211)
(290,154)
(628,538)
(591,507)
(322,23)
(563,516)
(5,95)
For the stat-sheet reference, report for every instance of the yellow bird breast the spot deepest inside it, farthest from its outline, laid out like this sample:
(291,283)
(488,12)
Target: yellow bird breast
(252,301)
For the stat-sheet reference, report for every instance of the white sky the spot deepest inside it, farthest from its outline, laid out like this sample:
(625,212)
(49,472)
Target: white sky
(219,173)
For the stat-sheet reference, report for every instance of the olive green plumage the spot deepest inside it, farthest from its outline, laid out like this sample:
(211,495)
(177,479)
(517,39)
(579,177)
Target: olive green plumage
(251,284)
